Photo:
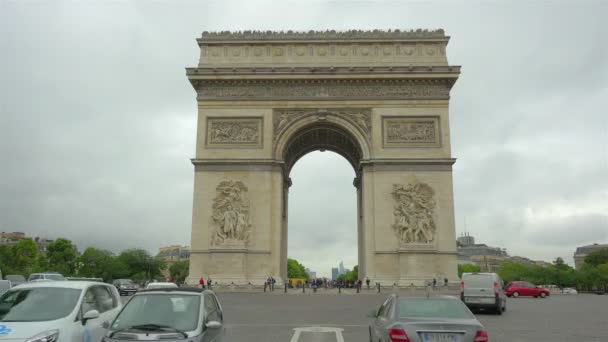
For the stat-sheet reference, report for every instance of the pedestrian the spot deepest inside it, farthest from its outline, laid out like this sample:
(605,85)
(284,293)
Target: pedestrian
(434,283)
(209,283)
(201,282)
(272,283)
(367,282)
(445,281)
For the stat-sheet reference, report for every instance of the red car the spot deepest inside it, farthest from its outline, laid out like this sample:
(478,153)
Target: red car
(523,288)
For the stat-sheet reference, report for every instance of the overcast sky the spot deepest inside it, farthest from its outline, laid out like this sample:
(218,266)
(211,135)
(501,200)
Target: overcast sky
(97,121)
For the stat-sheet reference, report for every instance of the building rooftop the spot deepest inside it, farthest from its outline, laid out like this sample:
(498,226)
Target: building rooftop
(589,248)
(321,35)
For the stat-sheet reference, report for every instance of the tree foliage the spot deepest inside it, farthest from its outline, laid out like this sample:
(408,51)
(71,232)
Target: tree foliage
(296,270)
(61,255)
(467,268)
(597,257)
(179,270)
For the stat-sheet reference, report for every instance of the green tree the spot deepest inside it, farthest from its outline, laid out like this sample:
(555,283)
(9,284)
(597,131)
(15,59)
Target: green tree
(603,275)
(24,256)
(96,263)
(179,270)
(597,257)
(467,268)
(296,270)
(350,276)
(62,255)
(6,260)
(139,262)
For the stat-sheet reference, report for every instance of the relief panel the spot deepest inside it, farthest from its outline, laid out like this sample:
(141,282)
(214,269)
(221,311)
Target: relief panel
(411,131)
(242,132)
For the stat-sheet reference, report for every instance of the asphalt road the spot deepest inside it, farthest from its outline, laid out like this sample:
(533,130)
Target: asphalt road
(334,318)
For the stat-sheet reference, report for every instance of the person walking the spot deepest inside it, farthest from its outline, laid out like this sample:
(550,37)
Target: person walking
(209,283)
(201,282)
(367,282)
(434,283)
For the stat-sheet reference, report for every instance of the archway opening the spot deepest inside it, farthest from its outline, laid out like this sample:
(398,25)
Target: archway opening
(322,218)
(323,213)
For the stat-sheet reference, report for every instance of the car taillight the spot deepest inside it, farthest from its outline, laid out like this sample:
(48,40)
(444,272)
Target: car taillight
(481,336)
(496,287)
(398,335)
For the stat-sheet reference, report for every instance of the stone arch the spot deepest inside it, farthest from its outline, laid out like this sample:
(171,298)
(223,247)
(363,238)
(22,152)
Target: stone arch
(322,131)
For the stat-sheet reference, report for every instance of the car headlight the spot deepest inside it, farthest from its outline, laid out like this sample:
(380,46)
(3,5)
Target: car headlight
(47,336)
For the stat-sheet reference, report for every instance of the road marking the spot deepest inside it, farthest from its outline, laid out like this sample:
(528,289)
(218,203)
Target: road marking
(317,329)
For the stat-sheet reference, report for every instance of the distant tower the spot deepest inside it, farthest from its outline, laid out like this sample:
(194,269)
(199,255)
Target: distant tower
(466,240)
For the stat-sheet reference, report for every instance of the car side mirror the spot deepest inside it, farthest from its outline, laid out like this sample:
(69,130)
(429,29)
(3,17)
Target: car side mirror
(213,325)
(91,314)
(372,314)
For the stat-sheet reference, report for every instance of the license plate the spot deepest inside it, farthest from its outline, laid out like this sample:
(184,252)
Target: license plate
(479,300)
(440,337)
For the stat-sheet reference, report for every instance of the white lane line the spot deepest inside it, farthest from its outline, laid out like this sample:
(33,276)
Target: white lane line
(298,331)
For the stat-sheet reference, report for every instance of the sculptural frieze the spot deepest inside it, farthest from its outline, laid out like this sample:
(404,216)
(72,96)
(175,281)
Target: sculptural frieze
(359,117)
(411,131)
(231,215)
(413,213)
(234,131)
(323,89)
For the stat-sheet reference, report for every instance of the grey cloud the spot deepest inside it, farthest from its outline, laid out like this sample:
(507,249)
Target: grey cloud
(97,119)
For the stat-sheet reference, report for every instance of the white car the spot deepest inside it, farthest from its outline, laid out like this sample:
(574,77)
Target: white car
(58,311)
(569,290)
(161,285)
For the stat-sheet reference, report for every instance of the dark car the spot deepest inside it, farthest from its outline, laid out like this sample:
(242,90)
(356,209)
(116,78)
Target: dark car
(525,289)
(169,315)
(125,287)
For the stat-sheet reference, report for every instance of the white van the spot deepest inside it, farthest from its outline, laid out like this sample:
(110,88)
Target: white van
(483,291)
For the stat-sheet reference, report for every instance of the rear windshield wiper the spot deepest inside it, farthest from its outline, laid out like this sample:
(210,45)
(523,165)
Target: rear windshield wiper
(152,327)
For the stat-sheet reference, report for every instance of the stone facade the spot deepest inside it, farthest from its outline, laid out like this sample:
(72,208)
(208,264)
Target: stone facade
(378,98)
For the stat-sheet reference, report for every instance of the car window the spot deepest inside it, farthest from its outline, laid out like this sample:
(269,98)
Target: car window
(174,310)
(89,301)
(388,309)
(212,312)
(38,304)
(433,308)
(104,299)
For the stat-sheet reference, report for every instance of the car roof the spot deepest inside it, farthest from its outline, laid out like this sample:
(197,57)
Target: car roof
(77,284)
(182,290)
(162,283)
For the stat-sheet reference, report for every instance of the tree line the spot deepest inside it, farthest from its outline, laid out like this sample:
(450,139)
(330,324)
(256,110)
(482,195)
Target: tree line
(593,274)
(62,256)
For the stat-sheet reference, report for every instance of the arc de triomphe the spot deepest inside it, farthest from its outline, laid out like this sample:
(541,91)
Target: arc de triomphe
(378,98)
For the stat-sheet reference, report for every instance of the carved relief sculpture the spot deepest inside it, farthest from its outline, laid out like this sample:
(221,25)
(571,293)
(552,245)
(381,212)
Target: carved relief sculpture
(412,131)
(231,215)
(360,117)
(234,131)
(414,211)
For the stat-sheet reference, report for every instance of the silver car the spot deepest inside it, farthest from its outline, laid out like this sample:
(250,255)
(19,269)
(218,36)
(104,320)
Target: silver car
(169,314)
(433,319)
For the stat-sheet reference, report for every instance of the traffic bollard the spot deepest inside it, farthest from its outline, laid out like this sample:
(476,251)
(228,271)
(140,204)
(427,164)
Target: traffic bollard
(378,285)
(285,287)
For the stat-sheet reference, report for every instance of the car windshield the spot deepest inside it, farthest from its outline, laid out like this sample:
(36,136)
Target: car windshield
(175,310)
(125,282)
(37,304)
(433,308)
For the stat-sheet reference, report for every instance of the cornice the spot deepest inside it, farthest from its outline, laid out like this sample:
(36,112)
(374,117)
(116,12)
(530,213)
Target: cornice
(452,70)
(329,35)
(323,89)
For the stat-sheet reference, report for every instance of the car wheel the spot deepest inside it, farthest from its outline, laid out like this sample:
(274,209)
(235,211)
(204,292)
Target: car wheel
(499,308)
(543,295)
(515,294)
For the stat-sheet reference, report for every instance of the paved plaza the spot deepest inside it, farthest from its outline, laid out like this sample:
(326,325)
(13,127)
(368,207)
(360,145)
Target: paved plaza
(323,317)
